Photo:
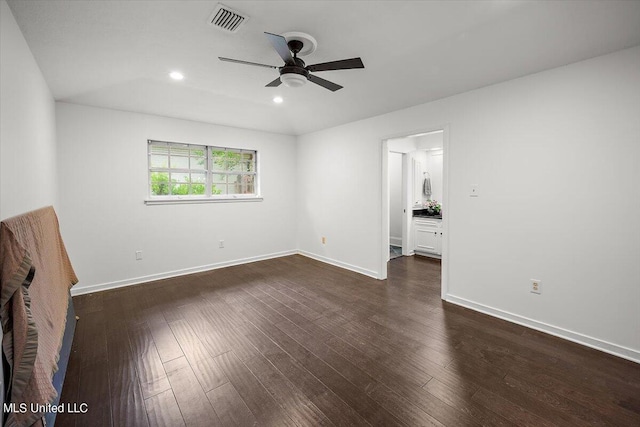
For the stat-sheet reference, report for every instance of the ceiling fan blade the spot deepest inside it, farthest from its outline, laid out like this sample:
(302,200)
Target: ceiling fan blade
(246,62)
(324,83)
(344,64)
(274,83)
(279,43)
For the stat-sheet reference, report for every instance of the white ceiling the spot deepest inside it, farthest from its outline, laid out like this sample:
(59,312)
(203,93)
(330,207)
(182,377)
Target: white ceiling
(117,54)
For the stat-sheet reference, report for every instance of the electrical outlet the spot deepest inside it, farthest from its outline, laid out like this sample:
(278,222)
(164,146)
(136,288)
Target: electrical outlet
(324,240)
(221,244)
(138,255)
(536,286)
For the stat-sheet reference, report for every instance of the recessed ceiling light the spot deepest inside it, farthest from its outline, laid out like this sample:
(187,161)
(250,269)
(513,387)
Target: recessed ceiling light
(278,100)
(176,75)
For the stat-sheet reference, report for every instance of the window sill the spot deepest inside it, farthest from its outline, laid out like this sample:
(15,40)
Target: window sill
(196,200)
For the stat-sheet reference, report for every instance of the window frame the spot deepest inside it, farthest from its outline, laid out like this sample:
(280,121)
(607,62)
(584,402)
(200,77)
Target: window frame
(209,171)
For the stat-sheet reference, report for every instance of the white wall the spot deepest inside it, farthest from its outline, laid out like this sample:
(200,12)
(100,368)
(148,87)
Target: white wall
(419,160)
(395,198)
(430,140)
(435,168)
(27,126)
(402,145)
(103,185)
(535,146)
(434,161)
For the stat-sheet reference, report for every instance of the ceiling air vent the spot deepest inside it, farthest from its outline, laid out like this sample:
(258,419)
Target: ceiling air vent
(227,19)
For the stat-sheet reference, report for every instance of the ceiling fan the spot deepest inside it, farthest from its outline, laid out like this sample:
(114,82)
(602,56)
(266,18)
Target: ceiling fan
(294,72)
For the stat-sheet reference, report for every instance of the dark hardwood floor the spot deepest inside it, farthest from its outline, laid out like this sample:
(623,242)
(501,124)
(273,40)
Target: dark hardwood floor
(292,341)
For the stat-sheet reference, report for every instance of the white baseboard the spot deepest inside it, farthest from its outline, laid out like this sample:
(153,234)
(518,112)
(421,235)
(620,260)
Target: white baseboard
(175,273)
(598,344)
(427,254)
(341,264)
(395,241)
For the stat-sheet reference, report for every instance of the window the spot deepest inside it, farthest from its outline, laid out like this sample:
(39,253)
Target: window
(198,172)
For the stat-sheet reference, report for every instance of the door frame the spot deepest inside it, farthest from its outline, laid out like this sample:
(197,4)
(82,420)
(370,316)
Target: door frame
(405,202)
(446,214)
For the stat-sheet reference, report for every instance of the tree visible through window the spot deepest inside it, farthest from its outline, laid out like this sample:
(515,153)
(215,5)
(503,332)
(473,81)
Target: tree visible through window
(184,170)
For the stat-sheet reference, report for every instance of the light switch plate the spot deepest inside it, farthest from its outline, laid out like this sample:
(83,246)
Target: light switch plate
(474,191)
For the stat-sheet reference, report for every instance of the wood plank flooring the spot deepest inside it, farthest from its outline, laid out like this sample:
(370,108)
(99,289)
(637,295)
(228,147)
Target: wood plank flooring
(295,342)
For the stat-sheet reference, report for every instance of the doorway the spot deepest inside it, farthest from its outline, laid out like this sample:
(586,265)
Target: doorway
(414,198)
(398,243)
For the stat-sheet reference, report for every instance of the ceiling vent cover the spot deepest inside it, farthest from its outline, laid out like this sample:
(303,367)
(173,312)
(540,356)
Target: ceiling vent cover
(227,19)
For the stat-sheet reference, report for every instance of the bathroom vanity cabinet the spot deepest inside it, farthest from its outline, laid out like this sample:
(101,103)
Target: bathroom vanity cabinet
(427,236)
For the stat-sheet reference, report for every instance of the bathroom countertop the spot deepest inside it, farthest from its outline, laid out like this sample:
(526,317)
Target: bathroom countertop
(421,213)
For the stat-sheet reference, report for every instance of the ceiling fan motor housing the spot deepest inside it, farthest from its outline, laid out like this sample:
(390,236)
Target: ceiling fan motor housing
(295,46)
(294,75)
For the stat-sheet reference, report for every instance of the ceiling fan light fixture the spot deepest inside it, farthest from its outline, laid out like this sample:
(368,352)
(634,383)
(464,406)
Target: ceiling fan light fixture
(293,80)
(294,72)
(278,100)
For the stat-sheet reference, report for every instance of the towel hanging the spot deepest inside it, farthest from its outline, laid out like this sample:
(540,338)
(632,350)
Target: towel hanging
(426,186)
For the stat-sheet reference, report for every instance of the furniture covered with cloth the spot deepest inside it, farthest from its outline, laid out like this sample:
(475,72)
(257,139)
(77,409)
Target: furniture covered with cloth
(35,278)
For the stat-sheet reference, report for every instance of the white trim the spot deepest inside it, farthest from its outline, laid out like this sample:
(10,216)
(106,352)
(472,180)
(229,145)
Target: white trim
(446,213)
(175,273)
(395,241)
(182,272)
(186,200)
(384,238)
(341,264)
(428,255)
(407,207)
(384,193)
(598,344)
